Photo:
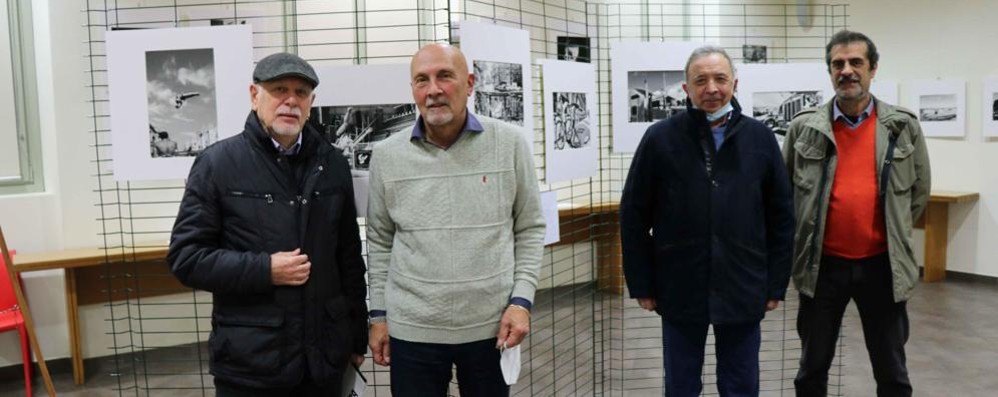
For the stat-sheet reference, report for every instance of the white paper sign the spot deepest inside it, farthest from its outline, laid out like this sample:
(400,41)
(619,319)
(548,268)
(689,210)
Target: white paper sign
(549,206)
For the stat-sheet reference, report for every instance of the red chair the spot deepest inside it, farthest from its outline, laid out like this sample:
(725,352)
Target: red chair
(11,319)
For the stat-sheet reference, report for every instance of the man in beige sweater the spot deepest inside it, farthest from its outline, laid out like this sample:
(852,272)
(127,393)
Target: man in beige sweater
(455,236)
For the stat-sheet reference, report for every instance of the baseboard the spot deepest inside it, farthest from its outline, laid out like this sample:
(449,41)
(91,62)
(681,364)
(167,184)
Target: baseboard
(972,278)
(56,366)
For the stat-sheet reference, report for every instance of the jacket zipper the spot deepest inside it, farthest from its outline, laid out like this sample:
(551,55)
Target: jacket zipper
(263,196)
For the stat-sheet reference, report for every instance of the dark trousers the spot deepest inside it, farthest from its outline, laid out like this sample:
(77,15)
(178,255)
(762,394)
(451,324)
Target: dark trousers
(424,369)
(737,350)
(307,388)
(869,282)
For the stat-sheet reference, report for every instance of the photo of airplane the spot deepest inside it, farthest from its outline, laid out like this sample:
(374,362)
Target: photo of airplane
(178,100)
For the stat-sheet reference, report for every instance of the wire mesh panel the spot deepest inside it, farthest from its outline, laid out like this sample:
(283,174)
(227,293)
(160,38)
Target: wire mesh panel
(586,337)
(631,353)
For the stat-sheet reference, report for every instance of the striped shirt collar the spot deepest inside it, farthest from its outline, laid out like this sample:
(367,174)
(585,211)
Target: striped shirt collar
(838,115)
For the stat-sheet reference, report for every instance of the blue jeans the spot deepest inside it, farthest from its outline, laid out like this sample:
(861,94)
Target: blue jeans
(737,350)
(424,369)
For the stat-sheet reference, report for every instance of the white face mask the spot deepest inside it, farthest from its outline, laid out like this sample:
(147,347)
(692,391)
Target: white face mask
(712,117)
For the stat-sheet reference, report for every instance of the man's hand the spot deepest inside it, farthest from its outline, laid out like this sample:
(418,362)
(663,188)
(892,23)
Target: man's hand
(357,359)
(514,326)
(647,304)
(289,268)
(772,304)
(378,342)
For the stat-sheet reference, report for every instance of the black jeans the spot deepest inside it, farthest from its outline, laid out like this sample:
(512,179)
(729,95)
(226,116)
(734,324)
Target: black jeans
(868,281)
(424,369)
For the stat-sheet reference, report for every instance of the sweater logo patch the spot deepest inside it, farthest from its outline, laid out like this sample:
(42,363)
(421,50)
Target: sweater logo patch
(485,179)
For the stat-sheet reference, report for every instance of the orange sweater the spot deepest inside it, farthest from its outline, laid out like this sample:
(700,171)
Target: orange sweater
(855,221)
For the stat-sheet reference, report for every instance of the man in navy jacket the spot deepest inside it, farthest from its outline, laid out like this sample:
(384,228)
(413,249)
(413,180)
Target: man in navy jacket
(707,225)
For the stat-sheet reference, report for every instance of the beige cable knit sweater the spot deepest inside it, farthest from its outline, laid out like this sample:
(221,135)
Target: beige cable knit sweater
(453,234)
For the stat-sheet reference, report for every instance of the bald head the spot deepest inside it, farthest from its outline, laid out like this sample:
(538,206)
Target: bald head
(441,85)
(437,52)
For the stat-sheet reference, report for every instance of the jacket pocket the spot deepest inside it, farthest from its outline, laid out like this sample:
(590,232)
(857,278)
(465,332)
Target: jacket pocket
(248,340)
(329,202)
(902,168)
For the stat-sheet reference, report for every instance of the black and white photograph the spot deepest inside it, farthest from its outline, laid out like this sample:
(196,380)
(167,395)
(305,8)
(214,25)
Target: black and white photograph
(937,107)
(941,106)
(356,129)
(499,91)
(572,48)
(571,120)
(181,97)
(753,53)
(655,95)
(571,132)
(776,109)
(994,106)
(172,92)
(646,84)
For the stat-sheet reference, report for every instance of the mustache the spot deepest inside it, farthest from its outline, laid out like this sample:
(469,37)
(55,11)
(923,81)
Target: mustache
(846,79)
(289,111)
(430,102)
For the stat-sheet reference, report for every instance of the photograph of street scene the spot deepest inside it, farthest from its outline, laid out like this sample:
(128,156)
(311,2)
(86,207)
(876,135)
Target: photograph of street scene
(499,91)
(776,109)
(355,129)
(655,95)
(937,107)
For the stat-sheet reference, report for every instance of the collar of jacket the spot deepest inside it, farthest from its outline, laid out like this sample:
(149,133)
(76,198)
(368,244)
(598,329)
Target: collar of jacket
(893,117)
(698,118)
(255,133)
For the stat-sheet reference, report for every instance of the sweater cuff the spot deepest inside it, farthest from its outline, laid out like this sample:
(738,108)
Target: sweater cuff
(516,300)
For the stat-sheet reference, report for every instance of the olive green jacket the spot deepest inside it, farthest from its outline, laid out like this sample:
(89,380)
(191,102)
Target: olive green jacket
(810,154)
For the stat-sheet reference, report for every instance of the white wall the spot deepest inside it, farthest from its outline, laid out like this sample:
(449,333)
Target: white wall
(62,216)
(928,39)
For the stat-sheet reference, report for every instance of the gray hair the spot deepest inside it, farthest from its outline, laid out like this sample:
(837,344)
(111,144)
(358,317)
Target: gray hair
(705,51)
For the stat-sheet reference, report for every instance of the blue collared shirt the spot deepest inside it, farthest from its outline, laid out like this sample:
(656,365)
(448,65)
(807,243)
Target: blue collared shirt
(837,114)
(470,124)
(291,151)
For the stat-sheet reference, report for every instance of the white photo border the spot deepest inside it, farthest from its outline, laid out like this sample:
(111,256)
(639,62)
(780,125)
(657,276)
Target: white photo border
(956,128)
(493,43)
(569,76)
(627,56)
(128,104)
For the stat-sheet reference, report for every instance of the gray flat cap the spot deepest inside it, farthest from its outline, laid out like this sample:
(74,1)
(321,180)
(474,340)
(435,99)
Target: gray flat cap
(282,64)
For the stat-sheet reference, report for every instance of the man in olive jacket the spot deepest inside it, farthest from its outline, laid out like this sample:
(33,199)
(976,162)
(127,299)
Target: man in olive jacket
(268,225)
(860,172)
(706,219)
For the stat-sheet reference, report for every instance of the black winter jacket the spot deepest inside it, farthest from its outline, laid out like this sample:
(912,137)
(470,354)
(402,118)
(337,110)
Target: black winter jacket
(708,246)
(243,202)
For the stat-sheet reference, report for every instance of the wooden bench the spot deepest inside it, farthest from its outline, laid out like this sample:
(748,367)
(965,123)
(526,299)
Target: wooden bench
(87,265)
(935,221)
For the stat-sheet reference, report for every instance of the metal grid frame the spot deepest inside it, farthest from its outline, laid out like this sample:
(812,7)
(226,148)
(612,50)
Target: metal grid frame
(585,341)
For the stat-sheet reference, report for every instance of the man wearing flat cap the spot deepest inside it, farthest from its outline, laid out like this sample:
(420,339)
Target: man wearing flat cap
(267,224)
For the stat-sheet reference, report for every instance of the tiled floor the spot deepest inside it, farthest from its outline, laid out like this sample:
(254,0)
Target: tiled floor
(952,352)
